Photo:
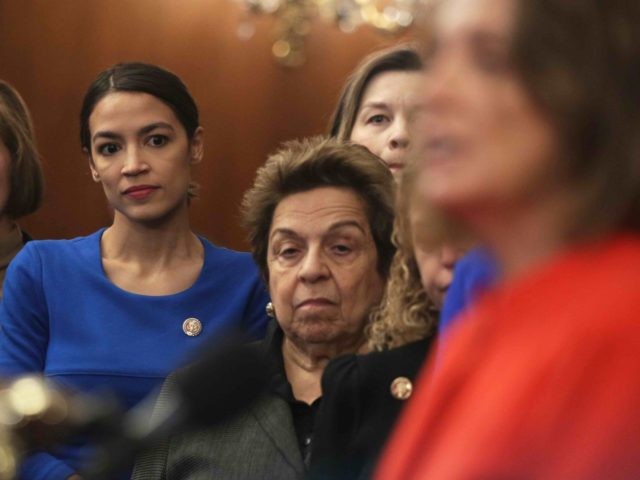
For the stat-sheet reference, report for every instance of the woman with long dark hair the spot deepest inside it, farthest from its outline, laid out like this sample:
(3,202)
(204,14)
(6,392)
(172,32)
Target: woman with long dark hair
(21,179)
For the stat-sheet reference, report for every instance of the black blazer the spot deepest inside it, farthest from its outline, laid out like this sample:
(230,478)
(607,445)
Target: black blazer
(358,410)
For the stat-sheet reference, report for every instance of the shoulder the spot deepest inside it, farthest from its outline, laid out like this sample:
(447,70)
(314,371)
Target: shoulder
(402,361)
(375,370)
(225,257)
(66,246)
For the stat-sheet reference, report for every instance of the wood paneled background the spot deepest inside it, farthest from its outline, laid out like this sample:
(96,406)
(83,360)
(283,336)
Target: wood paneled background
(50,50)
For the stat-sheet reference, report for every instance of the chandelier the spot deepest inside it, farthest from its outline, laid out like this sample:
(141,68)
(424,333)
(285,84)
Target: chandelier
(294,17)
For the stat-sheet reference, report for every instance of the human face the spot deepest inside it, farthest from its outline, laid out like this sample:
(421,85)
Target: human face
(142,156)
(488,147)
(436,271)
(322,263)
(5,174)
(434,265)
(390,104)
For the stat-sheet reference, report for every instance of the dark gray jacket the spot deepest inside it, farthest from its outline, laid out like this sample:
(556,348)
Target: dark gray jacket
(258,443)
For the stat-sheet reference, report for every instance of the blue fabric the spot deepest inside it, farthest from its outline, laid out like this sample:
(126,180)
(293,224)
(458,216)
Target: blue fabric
(62,316)
(473,274)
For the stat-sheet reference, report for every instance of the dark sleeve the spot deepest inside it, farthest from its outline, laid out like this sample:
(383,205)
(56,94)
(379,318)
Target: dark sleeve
(337,421)
(358,411)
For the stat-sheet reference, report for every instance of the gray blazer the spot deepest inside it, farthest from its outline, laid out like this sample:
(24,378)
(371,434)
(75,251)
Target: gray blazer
(259,443)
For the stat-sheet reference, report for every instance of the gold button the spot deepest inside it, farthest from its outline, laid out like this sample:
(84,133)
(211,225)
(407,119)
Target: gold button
(401,388)
(192,327)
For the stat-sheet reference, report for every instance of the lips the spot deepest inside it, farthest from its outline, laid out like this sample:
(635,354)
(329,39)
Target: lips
(314,302)
(395,166)
(140,192)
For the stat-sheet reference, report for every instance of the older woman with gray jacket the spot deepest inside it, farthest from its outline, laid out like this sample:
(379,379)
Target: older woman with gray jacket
(320,215)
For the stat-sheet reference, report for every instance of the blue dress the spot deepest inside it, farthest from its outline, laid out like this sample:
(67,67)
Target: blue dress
(61,315)
(473,274)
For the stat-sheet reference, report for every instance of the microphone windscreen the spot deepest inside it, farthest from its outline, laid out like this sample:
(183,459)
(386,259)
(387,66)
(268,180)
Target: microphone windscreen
(223,382)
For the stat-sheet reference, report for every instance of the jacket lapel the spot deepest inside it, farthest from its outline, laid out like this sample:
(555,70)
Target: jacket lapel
(274,417)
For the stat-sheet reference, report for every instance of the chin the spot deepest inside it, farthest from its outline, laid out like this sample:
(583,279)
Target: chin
(150,215)
(315,328)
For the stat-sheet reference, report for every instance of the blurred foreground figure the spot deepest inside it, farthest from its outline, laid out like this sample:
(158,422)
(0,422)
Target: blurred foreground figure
(532,145)
(21,181)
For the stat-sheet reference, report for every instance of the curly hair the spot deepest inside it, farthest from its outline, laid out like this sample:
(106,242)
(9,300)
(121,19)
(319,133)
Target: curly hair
(406,313)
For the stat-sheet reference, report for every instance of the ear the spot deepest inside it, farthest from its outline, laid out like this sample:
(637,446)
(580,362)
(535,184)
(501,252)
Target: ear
(197,146)
(92,167)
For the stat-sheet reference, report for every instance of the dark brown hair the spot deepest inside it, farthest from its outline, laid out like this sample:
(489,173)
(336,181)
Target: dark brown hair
(304,165)
(26,182)
(136,77)
(580,60)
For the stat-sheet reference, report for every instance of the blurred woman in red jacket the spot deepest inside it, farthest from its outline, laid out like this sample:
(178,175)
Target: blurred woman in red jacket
(532,145)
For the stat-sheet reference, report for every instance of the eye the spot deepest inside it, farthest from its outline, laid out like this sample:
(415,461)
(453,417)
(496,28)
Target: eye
(108,149)
(341,249)
(377,119)
(157,140)
(288,252)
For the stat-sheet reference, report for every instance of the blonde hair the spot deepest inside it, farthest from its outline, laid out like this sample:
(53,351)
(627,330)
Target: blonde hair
(406,313)
(26,182)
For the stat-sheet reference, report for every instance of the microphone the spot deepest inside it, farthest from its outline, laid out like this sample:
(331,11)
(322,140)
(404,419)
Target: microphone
(36,415)
(219,385)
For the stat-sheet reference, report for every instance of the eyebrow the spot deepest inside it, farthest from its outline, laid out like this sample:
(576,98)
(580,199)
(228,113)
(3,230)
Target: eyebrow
(143,131)
(380,105)
(287,232)
(346,223)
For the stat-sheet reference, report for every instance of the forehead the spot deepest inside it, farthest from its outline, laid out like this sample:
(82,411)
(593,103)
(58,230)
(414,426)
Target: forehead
(122,110)
(459,17)
(315,211)
(394,85)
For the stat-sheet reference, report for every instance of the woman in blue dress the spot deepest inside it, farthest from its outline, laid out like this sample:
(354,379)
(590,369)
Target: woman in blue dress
(117,310)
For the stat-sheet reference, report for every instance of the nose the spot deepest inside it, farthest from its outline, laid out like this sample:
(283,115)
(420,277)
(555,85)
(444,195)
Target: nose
(134,163)
(314,268)
(400,135)
(449,256)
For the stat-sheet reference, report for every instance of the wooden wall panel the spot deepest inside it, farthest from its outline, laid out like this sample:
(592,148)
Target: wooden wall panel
(51,50)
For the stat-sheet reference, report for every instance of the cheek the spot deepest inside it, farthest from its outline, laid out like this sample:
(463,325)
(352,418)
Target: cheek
(428,268)
(521,144)
(281,292)
(360,290)
(365,137)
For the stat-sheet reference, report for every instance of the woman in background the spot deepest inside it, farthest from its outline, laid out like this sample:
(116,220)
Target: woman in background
(117,310)
(21,179)
(532,133)
(380,102)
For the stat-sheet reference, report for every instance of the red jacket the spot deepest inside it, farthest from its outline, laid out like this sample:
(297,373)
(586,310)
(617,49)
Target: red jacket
(541,380)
